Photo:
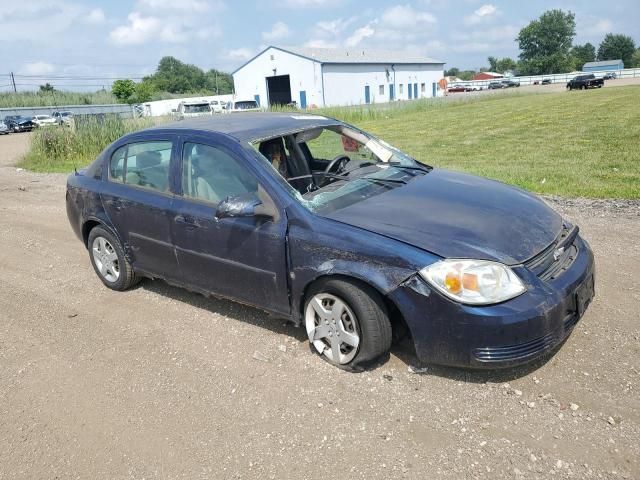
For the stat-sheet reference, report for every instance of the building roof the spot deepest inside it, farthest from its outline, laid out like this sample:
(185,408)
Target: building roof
(251,126)
(359,55)
(351,56)
(602,63)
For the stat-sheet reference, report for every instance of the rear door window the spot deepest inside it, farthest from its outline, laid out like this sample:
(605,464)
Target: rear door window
(144,164)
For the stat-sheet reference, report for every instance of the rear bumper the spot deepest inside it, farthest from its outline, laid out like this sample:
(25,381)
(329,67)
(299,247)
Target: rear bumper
(511,333)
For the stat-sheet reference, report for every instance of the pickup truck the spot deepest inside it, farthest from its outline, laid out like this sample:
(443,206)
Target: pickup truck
(582,82)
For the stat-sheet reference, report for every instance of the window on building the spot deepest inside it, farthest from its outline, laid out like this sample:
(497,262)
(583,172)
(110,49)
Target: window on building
(381,90)
(423,88)
(401,89)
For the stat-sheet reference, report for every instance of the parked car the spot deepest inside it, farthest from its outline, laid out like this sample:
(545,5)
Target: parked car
(546,81)
(510,83)
(241,106)
(44,120)
(610,76)
(496,85)
(217,106)
(457,88)
(362,241)
(194,108)
(63,117)
(4,130)
(582,82)
(18,123)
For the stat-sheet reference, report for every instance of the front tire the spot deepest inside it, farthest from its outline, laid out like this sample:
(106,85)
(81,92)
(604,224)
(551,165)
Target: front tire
(347,322)
(108,260)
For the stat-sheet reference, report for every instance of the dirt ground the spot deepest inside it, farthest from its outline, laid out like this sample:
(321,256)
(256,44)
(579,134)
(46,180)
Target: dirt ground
(161,383)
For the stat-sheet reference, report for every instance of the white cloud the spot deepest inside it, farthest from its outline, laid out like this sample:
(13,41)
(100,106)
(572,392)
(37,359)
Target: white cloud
(599,27)
(239,54)
(320,43)
(95,16)
(483,14)
(279,31)
(169,21)
(310,3)
(333,27)
(37,68)
(406,17)
(139,30)
(359,35)
(198,6)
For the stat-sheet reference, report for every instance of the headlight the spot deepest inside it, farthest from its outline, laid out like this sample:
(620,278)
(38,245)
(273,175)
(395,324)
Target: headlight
(475,282)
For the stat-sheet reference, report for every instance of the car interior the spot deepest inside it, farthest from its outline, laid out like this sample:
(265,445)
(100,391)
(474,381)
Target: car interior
(313,157)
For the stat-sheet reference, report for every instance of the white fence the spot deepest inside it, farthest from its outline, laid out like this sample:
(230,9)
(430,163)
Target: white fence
(555,78)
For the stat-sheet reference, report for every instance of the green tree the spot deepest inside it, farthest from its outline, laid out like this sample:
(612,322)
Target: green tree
(452,72)
(47,88)
(174,76)
(123,89)
(504,65)
(466,75)
(545,43)
(582,54)
(635,59)
(615,47)
(220,83)
(143,93)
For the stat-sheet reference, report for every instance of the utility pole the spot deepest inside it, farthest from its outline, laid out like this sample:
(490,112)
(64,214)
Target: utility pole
(13,82)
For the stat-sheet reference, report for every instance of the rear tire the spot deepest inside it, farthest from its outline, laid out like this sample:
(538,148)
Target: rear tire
(362,316)
(109,261)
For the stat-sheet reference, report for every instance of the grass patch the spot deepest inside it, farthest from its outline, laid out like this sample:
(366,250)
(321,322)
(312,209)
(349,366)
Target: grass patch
(574,144)
(60,149)
(48,99)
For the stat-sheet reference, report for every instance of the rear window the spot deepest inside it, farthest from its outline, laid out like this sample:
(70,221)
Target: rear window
(199,108)
(246,104)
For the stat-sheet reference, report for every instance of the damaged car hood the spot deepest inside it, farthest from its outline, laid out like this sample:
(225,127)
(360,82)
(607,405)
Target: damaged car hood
(455,215)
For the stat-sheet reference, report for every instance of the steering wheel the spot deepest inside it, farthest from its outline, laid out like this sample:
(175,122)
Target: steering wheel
(337,164)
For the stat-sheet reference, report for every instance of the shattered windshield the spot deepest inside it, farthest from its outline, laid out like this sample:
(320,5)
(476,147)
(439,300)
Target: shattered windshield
(332,167)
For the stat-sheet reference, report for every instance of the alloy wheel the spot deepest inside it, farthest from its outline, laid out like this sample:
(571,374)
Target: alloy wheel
(332,328)
(106,259)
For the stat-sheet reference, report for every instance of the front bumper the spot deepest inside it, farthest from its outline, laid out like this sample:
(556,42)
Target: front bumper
(508,334)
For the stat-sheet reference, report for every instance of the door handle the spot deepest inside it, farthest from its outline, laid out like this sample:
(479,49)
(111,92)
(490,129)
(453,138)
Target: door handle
(188,221)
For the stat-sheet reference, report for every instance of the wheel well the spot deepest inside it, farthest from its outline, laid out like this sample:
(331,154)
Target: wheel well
(399,327)
(86,229)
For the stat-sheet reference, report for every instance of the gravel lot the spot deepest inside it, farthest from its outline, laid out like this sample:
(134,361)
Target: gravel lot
(160,383)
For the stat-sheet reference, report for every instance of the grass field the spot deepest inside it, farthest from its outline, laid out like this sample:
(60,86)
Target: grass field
(48,99)
(566,143)
(584,144)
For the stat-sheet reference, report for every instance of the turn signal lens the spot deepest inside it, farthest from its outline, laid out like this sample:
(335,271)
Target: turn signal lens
(474,282)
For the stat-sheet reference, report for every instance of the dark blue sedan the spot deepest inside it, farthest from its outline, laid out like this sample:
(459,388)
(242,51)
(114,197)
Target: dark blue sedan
(316,221)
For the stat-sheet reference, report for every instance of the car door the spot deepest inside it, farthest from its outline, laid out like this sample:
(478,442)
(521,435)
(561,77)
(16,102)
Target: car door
(137,199)
(243,258)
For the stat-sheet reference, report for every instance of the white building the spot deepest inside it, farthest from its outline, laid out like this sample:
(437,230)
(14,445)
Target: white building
(325,77)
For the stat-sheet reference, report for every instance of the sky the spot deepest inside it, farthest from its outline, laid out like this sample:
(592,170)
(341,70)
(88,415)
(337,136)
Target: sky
(84,44)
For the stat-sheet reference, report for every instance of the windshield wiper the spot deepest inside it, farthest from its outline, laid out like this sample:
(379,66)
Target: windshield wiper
(371,179)
(398,165)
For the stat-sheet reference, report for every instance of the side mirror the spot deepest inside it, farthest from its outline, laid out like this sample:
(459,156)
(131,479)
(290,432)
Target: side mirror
(246,205)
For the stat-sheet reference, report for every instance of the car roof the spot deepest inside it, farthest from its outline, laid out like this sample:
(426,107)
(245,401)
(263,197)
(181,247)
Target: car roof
(251,126)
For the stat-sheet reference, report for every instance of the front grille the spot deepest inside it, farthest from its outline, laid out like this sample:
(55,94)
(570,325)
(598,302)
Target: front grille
(516,352)
(554,260)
